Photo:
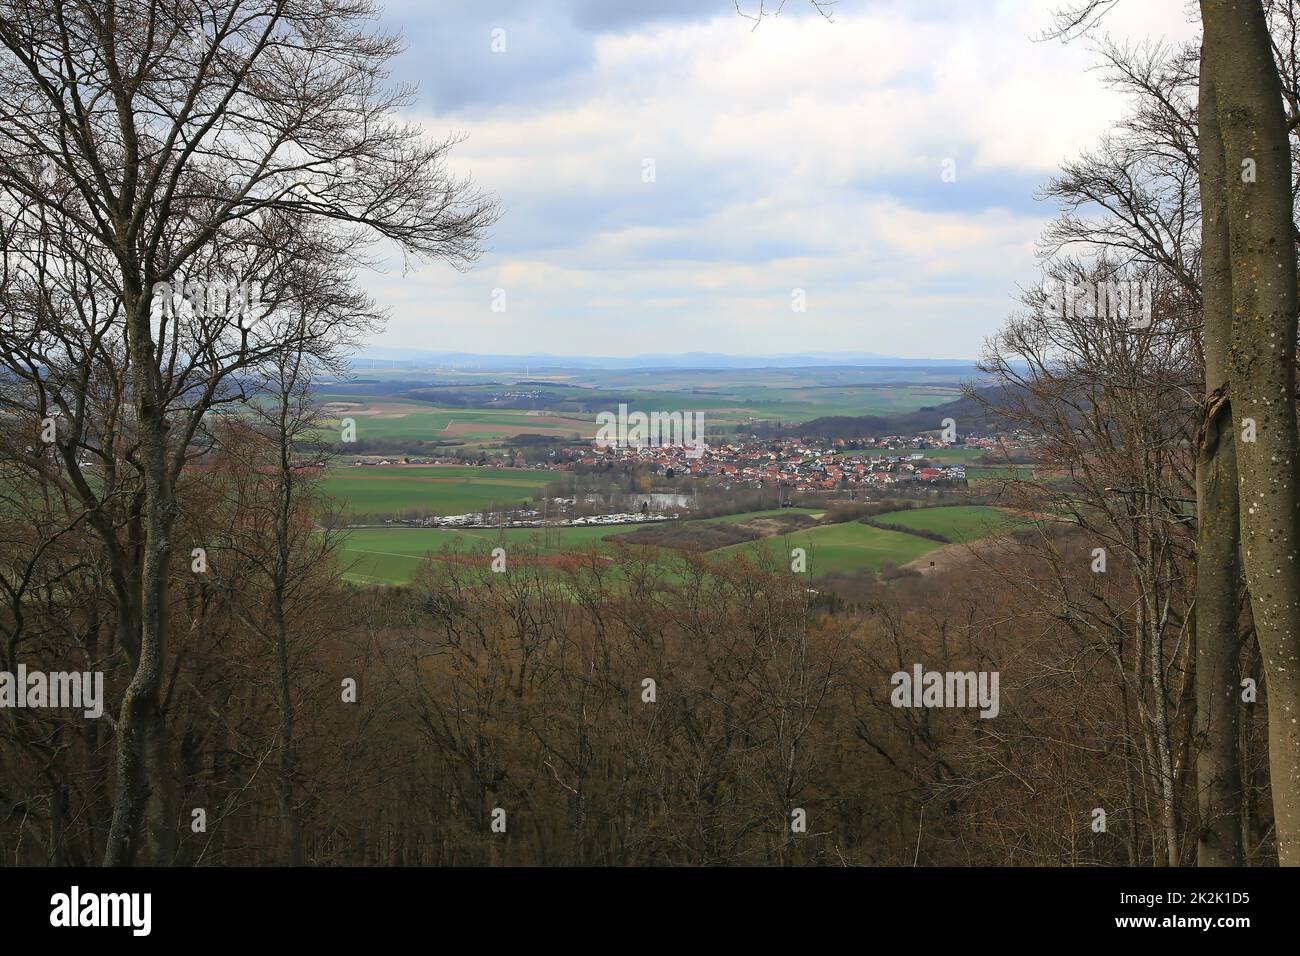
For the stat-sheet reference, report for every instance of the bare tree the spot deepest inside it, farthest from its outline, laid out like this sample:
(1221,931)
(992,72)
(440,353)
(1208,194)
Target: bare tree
(209,142)
(268,567)
(1111,406)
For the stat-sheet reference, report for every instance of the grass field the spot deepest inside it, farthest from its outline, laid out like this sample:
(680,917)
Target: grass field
(956,522)
(439,489)
(1018,472)
(840,547)
(953,456)
(854,546)
(391,555)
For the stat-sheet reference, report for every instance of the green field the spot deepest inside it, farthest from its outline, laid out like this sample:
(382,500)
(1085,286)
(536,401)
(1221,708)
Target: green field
(391,555)
(854,546)
(437,489)
(954,522)
(953,456)
(839,547)
(1017,472)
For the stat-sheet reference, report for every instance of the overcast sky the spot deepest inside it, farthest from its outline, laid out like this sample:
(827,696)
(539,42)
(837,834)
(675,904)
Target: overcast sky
(803,154)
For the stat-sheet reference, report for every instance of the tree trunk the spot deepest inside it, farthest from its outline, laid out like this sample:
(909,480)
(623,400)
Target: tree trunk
(290,823)
(1261,371)
(1218,565)
(144,786)
(291,826)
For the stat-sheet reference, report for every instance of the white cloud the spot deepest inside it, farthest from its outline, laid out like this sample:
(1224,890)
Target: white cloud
(803,153)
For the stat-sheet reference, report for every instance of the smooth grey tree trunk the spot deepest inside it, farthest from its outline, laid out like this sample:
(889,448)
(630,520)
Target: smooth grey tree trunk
(1261,371)
(143,788)
(1218,566)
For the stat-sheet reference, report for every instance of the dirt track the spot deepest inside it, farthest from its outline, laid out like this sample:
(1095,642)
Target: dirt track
(950,556)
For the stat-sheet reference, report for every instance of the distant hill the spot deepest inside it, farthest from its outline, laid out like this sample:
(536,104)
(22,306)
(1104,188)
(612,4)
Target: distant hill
(378,357)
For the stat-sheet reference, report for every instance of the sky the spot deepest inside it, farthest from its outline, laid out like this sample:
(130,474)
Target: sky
(674,178)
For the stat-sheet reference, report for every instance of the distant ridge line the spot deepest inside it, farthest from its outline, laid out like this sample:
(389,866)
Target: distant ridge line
(702,361)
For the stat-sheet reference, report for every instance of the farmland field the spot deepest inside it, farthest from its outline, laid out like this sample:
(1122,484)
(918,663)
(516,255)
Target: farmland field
(383,418)
(954,456)
(391,555)
(412,406)
(438,489)
(955,522)
(852,545)
(737,404)
(1005,472)
(840,547)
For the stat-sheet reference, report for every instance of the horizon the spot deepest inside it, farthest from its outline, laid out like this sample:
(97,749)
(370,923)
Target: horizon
(676,359)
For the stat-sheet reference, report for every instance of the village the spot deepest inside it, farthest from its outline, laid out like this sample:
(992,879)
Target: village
(805,465)
(830,468)
(800,464)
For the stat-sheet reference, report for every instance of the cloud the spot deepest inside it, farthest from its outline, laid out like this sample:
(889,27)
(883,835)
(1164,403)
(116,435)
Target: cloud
(801,154)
